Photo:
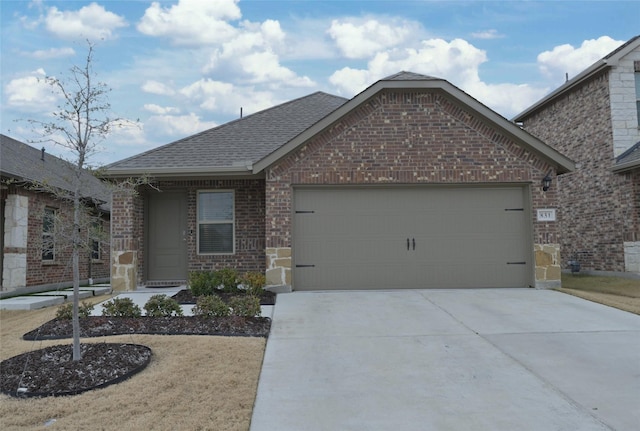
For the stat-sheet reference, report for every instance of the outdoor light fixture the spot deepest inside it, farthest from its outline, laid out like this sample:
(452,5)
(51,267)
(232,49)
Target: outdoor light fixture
(546,182)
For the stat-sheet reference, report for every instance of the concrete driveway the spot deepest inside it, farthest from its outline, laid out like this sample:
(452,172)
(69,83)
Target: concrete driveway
(491,359)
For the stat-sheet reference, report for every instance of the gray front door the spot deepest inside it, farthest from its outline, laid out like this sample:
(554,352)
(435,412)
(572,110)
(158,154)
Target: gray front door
(166,237)
(411,237)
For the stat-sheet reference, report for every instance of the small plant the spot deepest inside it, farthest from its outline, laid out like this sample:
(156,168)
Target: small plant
(202,283)
(254,283)
(121,307)
(211,306)
(245,306)
(228,278)
(162,306)
(65,312)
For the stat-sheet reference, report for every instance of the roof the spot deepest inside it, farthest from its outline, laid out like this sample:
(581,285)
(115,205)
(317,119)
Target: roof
(233,147)
(628,160)
(409,80)
(605,62)
(22,162)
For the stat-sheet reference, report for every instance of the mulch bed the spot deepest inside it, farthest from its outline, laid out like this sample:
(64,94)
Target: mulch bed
(51,371)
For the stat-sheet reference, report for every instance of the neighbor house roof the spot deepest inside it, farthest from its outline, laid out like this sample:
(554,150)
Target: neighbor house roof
(233,147)
(409,80)
(23,163)
(607,61)
(628,160)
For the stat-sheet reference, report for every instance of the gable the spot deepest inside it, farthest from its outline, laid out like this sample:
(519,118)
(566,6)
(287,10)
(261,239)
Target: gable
(409,136)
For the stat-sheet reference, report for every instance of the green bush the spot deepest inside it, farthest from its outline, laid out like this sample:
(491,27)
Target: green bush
(211,306)
(254,282)
(245,306)
(65,312)
(121,307)
(228,278)
(162,306)
(203,283)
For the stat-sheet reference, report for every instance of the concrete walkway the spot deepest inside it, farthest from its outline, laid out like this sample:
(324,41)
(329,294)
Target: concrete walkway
(494,359)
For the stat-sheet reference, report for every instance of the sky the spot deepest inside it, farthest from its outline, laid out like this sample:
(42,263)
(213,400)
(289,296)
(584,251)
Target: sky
(176,68)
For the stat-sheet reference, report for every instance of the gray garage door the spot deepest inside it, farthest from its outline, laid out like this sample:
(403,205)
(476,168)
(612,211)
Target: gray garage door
(411,237)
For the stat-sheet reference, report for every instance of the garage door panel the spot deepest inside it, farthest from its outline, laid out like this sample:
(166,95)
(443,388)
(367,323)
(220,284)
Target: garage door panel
(457,237)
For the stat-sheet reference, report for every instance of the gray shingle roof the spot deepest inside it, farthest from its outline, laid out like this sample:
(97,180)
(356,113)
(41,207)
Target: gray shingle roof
(22,162)
(630,159)
(242,141)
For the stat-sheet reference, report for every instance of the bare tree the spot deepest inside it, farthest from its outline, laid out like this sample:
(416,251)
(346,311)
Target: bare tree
(78,124)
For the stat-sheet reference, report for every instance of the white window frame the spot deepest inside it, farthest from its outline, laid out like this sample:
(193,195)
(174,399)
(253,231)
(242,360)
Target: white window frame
(232,222)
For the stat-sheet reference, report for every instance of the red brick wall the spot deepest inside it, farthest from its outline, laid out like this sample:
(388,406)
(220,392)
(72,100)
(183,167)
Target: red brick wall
(60,270)
(401,137)
(599,208)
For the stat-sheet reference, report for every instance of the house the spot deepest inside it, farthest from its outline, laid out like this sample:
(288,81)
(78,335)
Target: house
(30,213)
(594,118)
(410,184)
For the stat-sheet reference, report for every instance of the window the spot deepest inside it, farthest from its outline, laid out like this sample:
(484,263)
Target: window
(94,237)
(48,234)
(215,222)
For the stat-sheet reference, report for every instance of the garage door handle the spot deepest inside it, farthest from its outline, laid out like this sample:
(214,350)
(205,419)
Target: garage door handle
(414,243)
(407,244)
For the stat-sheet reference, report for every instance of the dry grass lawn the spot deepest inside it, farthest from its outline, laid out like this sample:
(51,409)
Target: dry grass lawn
(622,293)
(192,383)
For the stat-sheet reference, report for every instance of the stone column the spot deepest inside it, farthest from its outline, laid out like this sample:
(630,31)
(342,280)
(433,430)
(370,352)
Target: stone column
(548,266)
(278,266)
(16,227)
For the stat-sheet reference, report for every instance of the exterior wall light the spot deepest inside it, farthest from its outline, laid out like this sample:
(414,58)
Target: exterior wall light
(546,182)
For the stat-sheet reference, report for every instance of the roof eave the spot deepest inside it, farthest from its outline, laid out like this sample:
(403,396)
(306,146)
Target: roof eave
(179,172)
(628,166)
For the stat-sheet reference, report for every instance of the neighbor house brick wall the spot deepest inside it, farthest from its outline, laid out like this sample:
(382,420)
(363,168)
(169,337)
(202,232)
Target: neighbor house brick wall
(599,208)
(129,218)
(405,137)
(58,271)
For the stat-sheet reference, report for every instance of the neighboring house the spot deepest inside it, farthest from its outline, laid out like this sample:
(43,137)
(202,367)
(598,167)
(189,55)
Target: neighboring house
(32,257)
(594,118)
(410,184)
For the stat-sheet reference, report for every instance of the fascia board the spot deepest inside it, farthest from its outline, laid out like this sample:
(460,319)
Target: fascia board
(175,172)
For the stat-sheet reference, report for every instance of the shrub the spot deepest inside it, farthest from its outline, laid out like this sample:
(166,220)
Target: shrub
(162,306)
(254,282)
(202,282)
(228,278)
(211,306)
(245,306)
(65,312)
(121,307)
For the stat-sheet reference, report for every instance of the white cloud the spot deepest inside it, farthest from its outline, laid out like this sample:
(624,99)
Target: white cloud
(568,59)
(45,54)
(358,38)
(161,110)
(177,125)
(90,22)
(155,87)
(487,34)
(219,96)
(31,93)
(191,22)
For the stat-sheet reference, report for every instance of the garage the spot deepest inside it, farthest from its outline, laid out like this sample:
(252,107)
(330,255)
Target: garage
(422,237)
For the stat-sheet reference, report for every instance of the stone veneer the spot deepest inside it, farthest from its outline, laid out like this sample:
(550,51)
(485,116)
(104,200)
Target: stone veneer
(408,137)
(278,266)
(548,265)
(16,225)
(632,256)
(624,113)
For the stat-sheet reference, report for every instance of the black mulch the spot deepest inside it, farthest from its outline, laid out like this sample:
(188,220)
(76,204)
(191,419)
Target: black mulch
(51,371)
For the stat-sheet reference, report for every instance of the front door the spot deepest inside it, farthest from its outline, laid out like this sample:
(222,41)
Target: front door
(167,236)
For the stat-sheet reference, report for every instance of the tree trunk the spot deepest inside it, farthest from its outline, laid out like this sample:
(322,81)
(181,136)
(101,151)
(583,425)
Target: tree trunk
(76,274)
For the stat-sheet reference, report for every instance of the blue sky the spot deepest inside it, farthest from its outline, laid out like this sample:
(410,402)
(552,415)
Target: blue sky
(184,66)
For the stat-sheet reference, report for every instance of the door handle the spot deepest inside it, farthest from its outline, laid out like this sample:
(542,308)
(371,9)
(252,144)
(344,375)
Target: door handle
(414,243)
(407,244)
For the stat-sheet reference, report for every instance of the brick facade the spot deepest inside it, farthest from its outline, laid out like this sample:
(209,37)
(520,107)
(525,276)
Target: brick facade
(600,209)
(59,271)
(406,137)
(128,218)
